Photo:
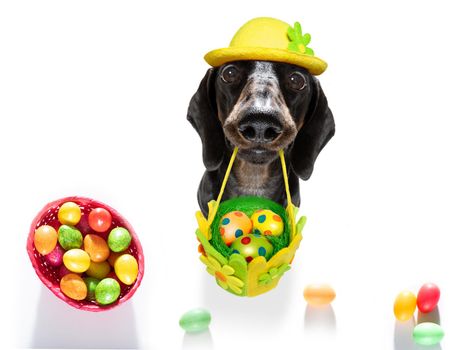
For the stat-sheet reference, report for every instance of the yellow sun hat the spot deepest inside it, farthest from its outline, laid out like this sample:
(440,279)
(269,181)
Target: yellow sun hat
(269,39)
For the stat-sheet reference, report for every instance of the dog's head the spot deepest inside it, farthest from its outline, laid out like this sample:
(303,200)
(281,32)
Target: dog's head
(261,107)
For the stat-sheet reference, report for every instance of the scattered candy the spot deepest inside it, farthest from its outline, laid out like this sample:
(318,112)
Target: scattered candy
(76,260)
(427,333)
(119,239)
(69,237)
(234,225)
(196,320)
(69,213)
(100,219)
(126,269)
(98,270)
(319,294)
(404,305)
(73,286)
(96,247)
(91,284)
(252,246)
(107,291)
(428,297)
(55,257)
(45,239)
(267,223)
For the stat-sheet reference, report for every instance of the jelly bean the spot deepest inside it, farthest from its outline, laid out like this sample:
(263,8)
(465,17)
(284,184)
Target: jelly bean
(428,297)
(98,270)
(69,213)
(196,320)
(45,239)
(107,291)
(113,256)
(64,271)
(69,237)
(252,246)
(319,294)
(73,286)
(91,284)
(404,305)
(267,223)
(100,219)
(76,260)
(126,268)
(96,247)
(119,239)
(427,333)
(234,225)
(55,257)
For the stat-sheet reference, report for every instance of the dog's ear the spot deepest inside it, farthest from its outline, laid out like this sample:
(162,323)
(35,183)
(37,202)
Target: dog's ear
(317,130)
(202,114)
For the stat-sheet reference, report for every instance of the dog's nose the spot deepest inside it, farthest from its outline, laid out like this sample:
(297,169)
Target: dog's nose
(260,128)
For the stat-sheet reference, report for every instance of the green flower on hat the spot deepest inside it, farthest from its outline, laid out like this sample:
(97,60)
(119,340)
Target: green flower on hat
(298,42)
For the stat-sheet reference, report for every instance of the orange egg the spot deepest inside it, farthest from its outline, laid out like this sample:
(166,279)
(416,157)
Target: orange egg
(319,294)
(45,239)
(233,225)
(73,286)
(96,247)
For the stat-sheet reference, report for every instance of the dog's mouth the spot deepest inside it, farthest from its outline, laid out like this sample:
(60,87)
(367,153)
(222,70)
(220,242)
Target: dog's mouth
(257,155)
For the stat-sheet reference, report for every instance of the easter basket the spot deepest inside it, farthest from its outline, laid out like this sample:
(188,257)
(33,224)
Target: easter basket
(231,270)
(50,274)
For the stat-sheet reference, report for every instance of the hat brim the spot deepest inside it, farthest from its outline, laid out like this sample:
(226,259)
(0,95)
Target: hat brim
(218,57)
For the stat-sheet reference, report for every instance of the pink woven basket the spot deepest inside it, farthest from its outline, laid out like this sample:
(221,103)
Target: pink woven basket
(49,275)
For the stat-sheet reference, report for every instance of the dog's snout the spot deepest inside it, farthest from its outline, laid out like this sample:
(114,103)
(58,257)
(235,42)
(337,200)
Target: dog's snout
(260,128)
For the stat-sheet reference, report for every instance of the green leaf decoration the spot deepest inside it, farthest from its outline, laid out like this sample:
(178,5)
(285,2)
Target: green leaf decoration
(298,41)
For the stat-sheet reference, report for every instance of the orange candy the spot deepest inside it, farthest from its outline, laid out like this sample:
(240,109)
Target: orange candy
(73,286)
(96,247)
(319,294)
(45,239)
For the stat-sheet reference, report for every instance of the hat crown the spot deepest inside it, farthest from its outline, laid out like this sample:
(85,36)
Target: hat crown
(262,32)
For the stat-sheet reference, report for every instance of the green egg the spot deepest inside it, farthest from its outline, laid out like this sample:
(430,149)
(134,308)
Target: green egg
(69,237)
(427,333)
(91,284)
(107,291)
(119,239)
(196,320)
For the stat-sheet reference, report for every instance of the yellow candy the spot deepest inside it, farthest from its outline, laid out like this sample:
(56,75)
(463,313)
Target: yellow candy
(76,260)
(69,213)
(267,223)
(126,269)
(98,270)
(404,305)
(45,239)
(73,286)
(319,294)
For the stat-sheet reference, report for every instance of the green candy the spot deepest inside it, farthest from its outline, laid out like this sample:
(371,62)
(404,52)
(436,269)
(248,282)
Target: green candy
(69,237)
(119,239)
(427,333)
(107,291)
(196,320)
(91,284)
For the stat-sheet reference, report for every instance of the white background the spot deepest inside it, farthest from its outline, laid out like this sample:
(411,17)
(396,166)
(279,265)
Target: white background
(93,99)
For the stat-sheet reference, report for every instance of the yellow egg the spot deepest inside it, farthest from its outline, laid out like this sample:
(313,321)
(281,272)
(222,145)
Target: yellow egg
(404,305)
(267,223)
(76,260)
(69,213)
(98,270)
(45,239)
(126,269)
(319,294)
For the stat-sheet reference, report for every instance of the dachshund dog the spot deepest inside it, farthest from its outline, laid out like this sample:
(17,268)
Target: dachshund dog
(260,107)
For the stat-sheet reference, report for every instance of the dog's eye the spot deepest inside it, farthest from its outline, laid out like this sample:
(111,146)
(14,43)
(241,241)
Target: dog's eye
(297,81)
(230,74)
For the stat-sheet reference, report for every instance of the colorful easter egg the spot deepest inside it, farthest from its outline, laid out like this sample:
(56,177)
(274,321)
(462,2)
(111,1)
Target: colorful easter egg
(427,333)
(267,223)
(76,260)
(55,257)
(98,270)
(196,320)
(119,239)
(45,239)
(126,268)
(91,284)
(252,246)
(319,294)
(428,297)
(96,247)
(69,213)
(100,219)
(69,237)
(404,305)
(107,291)
(234,225)
(73,286)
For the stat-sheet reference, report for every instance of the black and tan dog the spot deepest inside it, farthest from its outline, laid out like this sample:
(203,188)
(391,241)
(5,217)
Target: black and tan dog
(261,107)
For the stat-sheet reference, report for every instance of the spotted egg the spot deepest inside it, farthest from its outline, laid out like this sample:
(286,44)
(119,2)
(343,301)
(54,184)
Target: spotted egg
(252,246)
(233,225)
(267,223)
